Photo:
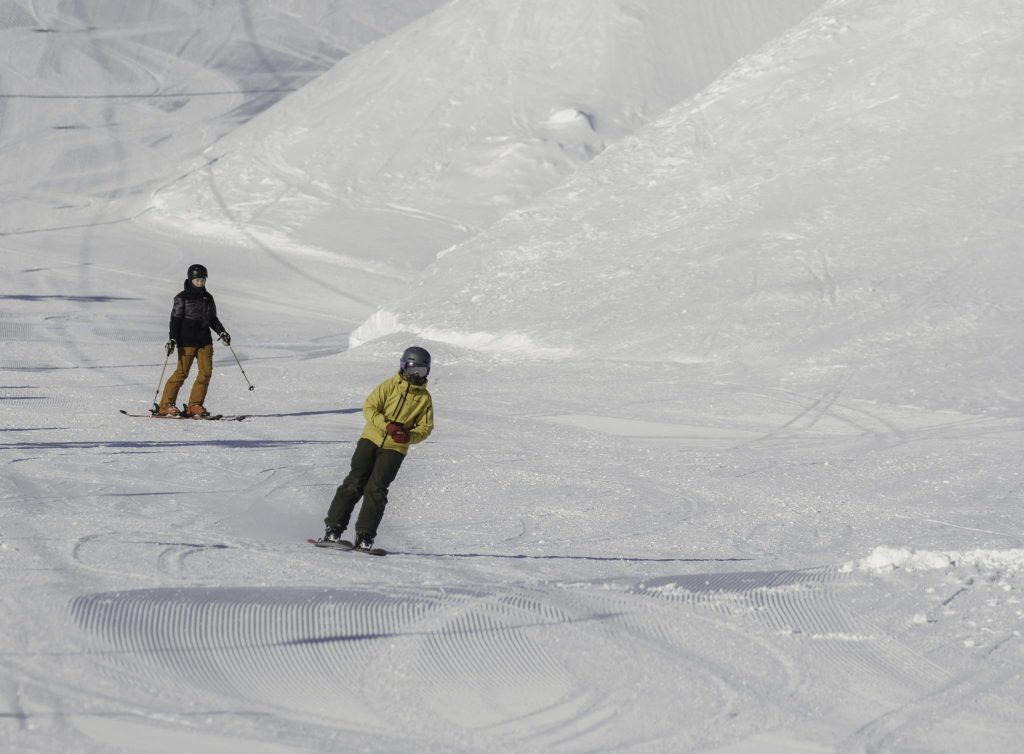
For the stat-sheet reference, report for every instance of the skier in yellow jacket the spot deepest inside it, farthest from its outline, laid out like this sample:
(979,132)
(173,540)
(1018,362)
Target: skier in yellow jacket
(399,412)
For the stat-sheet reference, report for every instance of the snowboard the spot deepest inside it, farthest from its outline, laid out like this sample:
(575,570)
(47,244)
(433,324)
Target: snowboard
(211,418)
(346,546)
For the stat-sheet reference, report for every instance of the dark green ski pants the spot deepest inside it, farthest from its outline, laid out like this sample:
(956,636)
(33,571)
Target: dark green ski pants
(373,471)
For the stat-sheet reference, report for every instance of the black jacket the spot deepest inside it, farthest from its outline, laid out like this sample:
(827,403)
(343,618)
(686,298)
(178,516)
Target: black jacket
(193,315)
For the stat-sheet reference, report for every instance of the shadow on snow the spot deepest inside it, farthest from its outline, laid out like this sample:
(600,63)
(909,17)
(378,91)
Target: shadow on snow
(157,444)
(612,558)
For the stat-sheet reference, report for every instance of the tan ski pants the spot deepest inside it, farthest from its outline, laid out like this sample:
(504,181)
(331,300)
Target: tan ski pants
(186,355)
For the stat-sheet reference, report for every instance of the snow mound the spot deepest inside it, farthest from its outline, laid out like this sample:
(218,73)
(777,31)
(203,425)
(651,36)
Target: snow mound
(794,216)
(499,102)
(885,559)
(507,343)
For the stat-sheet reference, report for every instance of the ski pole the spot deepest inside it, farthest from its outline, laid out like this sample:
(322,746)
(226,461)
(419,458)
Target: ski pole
(156,406)
(251,386)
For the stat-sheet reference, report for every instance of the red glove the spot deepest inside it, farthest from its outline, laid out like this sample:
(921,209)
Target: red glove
(398,433)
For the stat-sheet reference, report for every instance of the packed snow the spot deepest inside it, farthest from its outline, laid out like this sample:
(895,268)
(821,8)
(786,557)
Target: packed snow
(724,303)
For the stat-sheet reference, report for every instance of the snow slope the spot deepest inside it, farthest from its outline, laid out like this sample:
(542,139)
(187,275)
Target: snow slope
(102,102)
(409,159)
(728,418)
(840,201)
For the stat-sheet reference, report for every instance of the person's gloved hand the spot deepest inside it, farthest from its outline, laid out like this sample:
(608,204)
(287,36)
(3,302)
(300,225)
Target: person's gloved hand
(226,338)
(169,346)
(398,433)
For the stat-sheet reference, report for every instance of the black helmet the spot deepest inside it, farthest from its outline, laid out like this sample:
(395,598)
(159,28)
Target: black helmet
(415,364)
(197,271)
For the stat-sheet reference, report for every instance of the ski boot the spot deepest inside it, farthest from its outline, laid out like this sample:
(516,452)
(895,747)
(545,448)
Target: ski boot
(332,534)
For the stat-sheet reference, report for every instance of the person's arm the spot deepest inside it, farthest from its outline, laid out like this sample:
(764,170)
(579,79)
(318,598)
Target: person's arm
(177,315)
(424,425)
(373,407)
(215,323)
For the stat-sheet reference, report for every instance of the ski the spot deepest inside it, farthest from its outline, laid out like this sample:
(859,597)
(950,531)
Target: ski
(211,418)
(346,546)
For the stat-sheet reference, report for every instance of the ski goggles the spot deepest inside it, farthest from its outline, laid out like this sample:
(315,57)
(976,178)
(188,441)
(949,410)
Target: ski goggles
(415,370)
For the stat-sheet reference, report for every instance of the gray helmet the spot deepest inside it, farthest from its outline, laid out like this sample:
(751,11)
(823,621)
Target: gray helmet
(415,364)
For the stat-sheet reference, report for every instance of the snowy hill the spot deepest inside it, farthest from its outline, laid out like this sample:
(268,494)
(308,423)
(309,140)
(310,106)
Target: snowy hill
(409,148)
(723,302)
(817,212)
(103,101)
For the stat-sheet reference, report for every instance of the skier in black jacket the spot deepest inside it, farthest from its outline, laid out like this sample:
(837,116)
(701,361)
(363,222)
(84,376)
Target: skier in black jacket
(193,315)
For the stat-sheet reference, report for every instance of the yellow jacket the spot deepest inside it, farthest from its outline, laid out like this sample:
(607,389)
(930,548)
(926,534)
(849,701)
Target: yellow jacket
(396,400)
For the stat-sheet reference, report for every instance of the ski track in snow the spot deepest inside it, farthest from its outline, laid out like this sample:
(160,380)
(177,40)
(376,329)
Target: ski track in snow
(491,658)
